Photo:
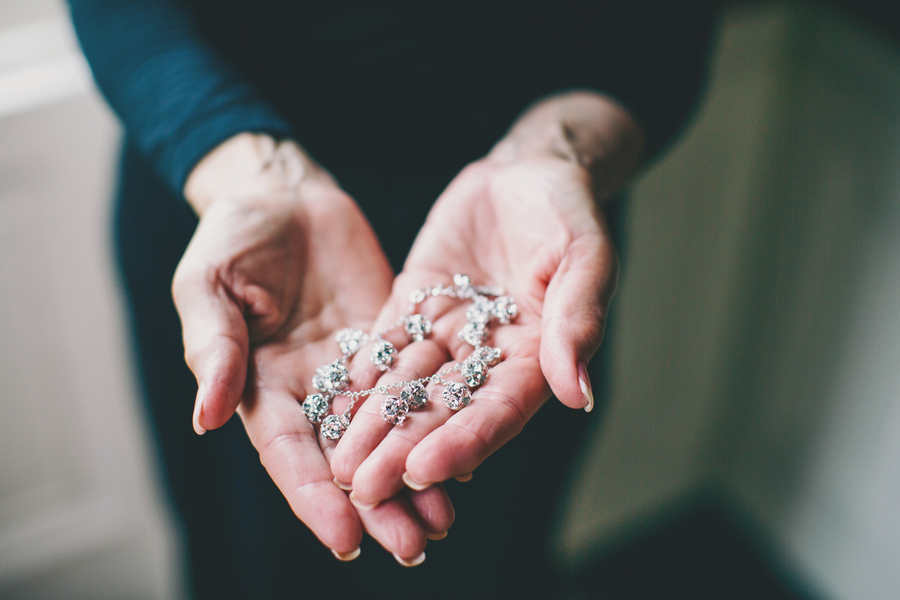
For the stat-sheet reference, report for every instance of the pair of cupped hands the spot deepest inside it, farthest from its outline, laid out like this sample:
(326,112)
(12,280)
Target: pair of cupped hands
(283,258)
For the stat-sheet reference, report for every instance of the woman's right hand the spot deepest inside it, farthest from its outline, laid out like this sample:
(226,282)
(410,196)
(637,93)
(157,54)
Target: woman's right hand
(281,260)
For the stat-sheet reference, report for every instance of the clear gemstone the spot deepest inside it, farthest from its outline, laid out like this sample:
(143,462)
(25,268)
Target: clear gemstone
(383,354)
(457,396)
(350,340)
(487,355)
(331,378)
(474,372)
(394,410)
(473,333)
(417,296)
(334,426)
(315,407)
(480,310)
(463,286)
(318,381)
(414,394)
(417,326)
(505,309)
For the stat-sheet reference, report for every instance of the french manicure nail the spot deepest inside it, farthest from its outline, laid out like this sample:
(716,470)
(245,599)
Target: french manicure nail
(362,504)
(585,382)
(198,408)
(412,483)
(344,486)
(412,562)
(464,477)
(436,536)
(345,556)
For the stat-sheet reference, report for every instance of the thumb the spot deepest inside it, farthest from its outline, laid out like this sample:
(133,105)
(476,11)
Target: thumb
(574,317)
(216,345)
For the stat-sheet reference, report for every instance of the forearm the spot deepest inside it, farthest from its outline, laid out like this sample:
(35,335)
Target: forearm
(583,127)
(247,165)
(176,96)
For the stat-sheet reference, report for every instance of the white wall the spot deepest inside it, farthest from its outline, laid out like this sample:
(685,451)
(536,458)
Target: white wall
(757,352)
(80,508)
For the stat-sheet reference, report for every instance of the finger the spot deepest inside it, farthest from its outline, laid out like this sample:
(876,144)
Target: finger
(514,391)
(393,525)
(377,476)
(434,509)
(431,507)
(574,317)
(216,343)
(288,449)
(396,525)
(368,428)
(380,474)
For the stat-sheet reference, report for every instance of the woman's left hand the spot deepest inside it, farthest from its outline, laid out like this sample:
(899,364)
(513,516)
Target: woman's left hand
(527,219)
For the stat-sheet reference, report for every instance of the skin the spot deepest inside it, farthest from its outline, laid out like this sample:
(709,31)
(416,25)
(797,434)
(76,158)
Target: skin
(259,302)
(527,218)
(260,296)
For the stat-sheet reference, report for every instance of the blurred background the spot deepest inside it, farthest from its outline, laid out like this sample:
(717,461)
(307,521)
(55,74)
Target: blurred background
(749,437)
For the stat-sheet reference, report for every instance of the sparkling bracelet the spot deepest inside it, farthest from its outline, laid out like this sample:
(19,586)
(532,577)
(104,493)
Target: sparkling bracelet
(333,379)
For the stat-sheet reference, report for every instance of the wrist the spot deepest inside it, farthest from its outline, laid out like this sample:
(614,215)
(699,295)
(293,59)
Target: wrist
(247,164)
(584,128)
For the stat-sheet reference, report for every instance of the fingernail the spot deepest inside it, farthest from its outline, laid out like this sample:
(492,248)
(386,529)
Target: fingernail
(412,483)
(412,562)
(436,536)
(345,556)
(464,477)
(362,504)
(198,408)
(585,382)
(344,486)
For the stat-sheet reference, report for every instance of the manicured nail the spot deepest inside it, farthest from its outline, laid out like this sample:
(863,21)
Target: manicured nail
(464,477)
(198,408)
(585,382)
(412,483)
(361,504)
(410,562)
(345,556)
(344,486)
(436,536)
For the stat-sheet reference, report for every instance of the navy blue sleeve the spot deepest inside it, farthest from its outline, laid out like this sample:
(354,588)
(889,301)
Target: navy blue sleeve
(176,98)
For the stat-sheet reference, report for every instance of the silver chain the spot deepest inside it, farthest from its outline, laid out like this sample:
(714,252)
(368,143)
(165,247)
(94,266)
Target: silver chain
(437,378)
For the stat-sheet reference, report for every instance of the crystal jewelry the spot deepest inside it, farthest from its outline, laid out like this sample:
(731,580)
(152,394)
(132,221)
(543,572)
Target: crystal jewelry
(457,395)
(333,379)
(383,355)
(315,407)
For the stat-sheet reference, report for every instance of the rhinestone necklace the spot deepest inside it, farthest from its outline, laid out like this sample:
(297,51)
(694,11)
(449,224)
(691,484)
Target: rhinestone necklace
(333,379)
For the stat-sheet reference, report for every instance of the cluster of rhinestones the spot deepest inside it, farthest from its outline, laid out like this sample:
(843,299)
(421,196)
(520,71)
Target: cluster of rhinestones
(457,395)
(394,409)
(480,314)
(333,379)
(417,327)
(350,340)
(334,426)
(383,355)
(316,406)
(414,394)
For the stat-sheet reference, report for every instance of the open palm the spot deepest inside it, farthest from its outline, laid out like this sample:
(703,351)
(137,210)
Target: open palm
(533,227)
(263,286)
